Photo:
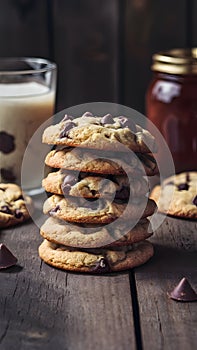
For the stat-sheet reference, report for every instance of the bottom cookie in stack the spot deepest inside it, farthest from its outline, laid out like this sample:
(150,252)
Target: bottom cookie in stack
(100,260)
(95,248)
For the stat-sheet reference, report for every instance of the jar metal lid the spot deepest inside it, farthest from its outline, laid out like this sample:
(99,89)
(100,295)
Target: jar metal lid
(176,61)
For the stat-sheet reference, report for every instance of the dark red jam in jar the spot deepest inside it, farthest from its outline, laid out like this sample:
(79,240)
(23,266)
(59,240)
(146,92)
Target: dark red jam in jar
(171,104)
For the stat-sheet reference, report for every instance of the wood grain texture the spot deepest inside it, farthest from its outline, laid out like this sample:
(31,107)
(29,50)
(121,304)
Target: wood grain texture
(85,44)
(167,324)
(23,28)
(103,50)
(45,308)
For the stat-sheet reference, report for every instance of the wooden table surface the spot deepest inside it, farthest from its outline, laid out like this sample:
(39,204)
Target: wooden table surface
(45,308)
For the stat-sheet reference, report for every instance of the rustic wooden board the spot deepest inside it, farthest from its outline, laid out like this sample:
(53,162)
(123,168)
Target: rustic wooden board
(167,324)
(45,308)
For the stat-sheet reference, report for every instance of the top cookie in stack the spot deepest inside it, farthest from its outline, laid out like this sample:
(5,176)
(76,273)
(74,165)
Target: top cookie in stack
(105,133)
(92,188)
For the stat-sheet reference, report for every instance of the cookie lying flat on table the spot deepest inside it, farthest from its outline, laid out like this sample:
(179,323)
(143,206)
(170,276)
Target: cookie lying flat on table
(75,184)
(86,236)
(100,162)
(95,260)
(100,211)
(13,208)
(177,196)
(106,133)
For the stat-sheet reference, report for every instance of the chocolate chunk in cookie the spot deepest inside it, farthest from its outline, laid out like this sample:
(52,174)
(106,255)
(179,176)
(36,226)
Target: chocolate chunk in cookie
(195,201)
(100,260)
(102,266)
(127,123)
(183,187)
(69,125)
(67,117)
(107,119)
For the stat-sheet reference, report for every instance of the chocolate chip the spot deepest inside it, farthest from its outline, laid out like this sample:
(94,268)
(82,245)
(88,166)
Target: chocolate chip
(69,180)
(7,174)
(5,209)
(187,177)
(20,197)
(93,192)
(195,201)
(66,189)
(54,210)
(7,259)
(183,292)
(7,144)
(18,214)
(127,123)
(102,266)
(183,187)
(68,126)
(107,119)
(67,117)
(87,114)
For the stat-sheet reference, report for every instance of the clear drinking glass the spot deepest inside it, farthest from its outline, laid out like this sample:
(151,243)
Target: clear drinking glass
(27,99)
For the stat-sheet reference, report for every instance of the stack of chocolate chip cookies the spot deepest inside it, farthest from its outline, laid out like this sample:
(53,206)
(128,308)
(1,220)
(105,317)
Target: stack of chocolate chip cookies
(99,203)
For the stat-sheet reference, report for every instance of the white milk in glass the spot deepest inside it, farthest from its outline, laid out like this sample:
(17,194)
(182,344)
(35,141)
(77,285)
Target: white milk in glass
(23,108)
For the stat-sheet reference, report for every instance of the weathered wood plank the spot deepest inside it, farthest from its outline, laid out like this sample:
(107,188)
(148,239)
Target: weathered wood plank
(85,44)
(23,28)
(167,324)
(45,308)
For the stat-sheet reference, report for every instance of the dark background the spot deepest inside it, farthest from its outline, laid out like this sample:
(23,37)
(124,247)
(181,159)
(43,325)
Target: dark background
(103,48)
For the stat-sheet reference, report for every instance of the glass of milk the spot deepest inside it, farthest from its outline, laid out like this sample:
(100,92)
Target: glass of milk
(27,100)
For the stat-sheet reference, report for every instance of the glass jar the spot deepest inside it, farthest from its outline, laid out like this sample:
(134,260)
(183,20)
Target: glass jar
(171,104)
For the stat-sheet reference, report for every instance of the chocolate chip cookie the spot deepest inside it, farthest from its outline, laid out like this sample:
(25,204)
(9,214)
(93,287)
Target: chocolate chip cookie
(95,260)
(100,211)
(105,133)
(13,205)
(177,195)
(93,236)
(88,185)
(100,162)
